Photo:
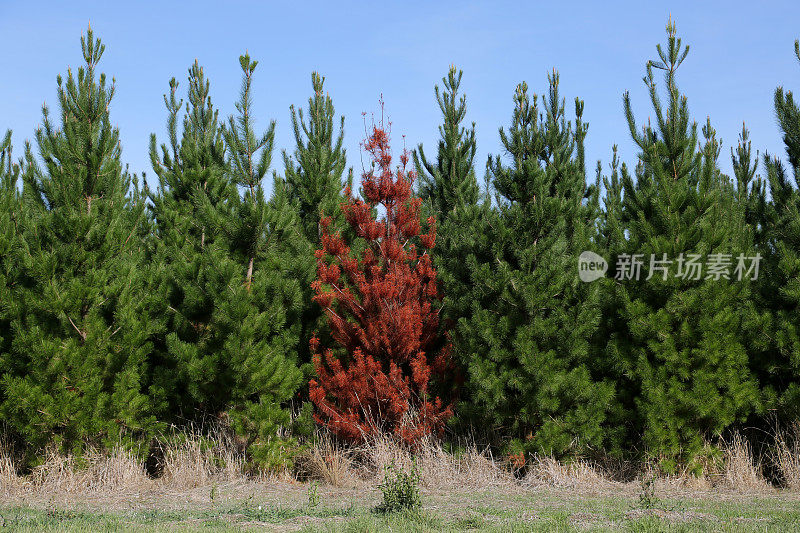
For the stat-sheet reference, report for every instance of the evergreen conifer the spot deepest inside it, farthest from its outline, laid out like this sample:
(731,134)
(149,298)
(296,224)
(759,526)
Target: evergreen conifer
(683,326)
(314,187)
(534,382)
(190,278)
(449,190)
(261,309)
(226,252)
(81,339)
(449,182)
(782,269)
(9,246)
(380,296)
(314,171)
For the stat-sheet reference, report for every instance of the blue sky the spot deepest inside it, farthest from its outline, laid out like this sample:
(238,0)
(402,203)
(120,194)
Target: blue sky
(740,51)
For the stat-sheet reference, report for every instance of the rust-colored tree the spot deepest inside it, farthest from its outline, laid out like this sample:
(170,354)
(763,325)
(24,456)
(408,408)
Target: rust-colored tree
(382,303)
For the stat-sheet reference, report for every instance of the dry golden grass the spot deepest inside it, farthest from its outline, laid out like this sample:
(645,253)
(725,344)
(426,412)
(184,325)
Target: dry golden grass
(10,482)
(481,469)
(786,455)
(186,465)
(327,461)
(189,461)
(741,470)
(344,466)
(730,465)
(437,468)
(681,481)
(93,472)
(548,471)
(192,461)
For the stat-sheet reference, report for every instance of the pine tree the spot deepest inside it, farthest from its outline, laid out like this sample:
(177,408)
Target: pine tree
(449,182)
(683,337)
(449,192)
(10,218)
(80,344)
(533,382)
(314,171)
(314,188)
(260,319)
(609,341)
(226,253)
(750,187)
(782,250)
(190,280)
(380,296)
(753,215)
(611,234)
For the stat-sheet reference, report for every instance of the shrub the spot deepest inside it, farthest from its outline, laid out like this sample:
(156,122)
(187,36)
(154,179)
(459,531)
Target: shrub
(400,489)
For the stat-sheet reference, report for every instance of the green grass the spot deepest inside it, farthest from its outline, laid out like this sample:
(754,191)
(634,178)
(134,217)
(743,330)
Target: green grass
(541,511)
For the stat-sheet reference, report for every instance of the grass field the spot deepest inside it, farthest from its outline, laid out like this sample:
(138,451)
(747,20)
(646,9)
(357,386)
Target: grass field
(284,506)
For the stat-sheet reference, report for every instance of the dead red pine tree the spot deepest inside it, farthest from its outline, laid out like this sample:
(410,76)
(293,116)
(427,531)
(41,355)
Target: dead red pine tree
(381,302)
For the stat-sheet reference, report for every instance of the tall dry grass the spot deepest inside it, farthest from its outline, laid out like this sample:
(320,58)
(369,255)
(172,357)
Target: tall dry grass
(786,454)
(10,482)
(437,468)
(328,461)
(340,465)
(186,460)
(94,471)
(570,474)
(194,459)
(741,469)
(730,464)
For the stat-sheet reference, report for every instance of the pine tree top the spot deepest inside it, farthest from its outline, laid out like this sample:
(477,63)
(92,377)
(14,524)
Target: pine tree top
(449,181)
(81,155)
(545,149)
(313,173)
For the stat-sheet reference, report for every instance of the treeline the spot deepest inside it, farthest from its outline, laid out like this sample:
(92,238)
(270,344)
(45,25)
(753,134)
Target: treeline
(425,303)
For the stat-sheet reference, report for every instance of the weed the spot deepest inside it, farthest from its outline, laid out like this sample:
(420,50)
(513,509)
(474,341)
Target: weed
(647,496)
(313,495)
(400,489)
